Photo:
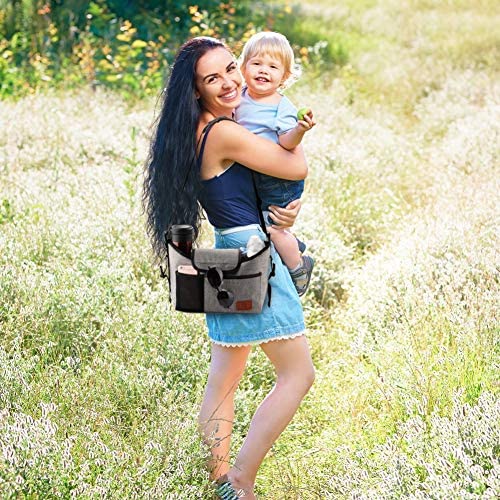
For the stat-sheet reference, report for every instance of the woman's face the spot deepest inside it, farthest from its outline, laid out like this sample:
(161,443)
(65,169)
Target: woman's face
(218,82)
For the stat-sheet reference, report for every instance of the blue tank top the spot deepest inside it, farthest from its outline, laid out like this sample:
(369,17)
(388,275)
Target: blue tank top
(228,199)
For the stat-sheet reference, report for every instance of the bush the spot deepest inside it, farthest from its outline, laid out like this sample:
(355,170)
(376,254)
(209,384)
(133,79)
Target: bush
(127,46)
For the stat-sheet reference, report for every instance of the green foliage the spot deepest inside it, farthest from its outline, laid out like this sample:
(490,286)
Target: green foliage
(6,212)
(319,47)
(127,46)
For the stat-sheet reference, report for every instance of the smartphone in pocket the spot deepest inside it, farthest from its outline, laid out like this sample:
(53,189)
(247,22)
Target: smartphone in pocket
(186,269)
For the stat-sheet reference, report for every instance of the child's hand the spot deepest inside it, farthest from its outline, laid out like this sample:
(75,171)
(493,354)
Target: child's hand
(305,119)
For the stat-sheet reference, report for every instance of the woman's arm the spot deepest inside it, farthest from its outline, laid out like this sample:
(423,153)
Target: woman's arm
(230,141)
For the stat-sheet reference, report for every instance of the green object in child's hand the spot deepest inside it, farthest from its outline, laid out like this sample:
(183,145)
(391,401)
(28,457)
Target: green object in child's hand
(302,112)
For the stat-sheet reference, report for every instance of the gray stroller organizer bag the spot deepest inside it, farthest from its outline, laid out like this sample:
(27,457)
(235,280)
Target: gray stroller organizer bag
(219,280)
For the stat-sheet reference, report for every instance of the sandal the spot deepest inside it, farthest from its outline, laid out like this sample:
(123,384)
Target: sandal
(302,275)
(226,491)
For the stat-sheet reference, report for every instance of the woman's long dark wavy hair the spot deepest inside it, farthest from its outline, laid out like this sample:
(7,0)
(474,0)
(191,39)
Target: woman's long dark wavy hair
(171,180)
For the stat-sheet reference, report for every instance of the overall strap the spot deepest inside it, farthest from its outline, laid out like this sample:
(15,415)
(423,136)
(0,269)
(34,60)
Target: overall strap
(204,133)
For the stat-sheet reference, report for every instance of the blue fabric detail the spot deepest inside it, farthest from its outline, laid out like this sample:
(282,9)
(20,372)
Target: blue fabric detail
(266,120)
(286,117)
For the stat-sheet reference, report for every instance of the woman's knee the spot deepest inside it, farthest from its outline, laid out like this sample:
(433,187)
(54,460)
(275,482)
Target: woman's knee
(300,379)
(223,383)
(293,363)
(308,376)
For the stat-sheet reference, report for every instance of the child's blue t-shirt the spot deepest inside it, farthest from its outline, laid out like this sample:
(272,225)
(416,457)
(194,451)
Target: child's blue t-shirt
(266,120)
(270,121)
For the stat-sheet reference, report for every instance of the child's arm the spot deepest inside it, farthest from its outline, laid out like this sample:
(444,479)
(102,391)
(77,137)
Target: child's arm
(293,137)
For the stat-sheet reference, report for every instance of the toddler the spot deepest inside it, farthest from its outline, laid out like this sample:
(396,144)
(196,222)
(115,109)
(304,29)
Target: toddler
(267,64)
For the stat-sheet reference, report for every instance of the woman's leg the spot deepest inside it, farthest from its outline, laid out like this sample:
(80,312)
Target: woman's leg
(295,374)
(216,417)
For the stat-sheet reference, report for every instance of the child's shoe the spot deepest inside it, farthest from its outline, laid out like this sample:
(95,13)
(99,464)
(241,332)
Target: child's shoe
(301,244)
(302,275)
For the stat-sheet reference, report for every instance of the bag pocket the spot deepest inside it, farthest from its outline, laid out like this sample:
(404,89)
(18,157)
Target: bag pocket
(189,292)
(246,291)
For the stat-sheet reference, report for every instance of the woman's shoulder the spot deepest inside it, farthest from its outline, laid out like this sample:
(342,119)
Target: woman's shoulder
(221,127)
(216,120)
(216,143)
(218,124)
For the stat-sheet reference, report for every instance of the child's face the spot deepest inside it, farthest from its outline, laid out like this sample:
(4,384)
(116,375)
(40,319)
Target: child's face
(263,74)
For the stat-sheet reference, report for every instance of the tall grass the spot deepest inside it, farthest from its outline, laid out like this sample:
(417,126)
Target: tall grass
(100,381)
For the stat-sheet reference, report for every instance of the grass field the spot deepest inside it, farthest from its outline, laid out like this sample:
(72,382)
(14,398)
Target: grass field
(100,382)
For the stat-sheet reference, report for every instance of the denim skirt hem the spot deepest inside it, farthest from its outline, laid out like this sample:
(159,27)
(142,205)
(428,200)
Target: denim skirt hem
(259,342)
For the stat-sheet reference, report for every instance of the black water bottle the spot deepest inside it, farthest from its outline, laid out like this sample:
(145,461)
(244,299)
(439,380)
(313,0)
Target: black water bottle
(182,236)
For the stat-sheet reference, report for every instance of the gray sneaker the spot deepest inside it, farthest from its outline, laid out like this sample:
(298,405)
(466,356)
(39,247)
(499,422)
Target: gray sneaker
(302,275)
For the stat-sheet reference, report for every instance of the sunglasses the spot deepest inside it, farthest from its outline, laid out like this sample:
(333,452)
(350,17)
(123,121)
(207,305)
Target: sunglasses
(215,278)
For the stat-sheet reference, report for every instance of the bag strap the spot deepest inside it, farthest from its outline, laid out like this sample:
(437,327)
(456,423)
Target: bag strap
(259,204)
(204,134)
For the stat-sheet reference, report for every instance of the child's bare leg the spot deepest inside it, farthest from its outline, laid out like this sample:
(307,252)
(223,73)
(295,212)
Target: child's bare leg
(287,247)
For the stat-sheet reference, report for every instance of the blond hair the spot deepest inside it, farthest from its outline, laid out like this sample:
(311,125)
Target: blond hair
(275,45)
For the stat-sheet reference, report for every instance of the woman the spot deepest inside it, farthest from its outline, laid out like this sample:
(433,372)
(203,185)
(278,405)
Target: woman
(204,84)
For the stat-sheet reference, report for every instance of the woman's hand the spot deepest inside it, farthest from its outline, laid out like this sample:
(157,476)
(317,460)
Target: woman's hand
(285,217)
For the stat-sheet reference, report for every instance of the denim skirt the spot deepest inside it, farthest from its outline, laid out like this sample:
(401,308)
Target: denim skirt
(283,319)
